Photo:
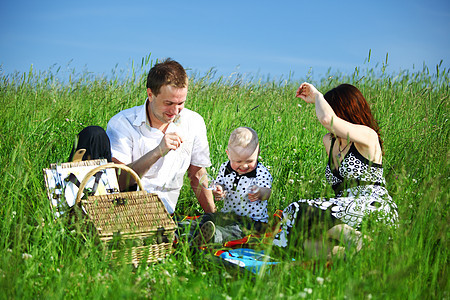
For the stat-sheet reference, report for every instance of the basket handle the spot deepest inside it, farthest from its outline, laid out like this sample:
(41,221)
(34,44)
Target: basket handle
(103,167)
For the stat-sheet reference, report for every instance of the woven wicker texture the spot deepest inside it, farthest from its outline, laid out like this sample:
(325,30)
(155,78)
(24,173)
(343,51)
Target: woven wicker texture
(137,218)
(152,253)
(134,213)
(94,162)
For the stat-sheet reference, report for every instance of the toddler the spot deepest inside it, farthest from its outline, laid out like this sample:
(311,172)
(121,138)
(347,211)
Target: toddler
(243,182)
(245,186)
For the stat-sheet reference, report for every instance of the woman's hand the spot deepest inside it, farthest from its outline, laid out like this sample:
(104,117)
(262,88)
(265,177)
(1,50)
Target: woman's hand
(219,193)
(307,92)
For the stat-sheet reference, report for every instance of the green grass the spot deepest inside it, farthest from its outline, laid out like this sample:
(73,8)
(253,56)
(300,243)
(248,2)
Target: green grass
(44,258)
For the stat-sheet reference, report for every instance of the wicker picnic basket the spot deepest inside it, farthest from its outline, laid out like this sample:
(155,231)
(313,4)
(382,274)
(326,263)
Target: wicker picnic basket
(135,225)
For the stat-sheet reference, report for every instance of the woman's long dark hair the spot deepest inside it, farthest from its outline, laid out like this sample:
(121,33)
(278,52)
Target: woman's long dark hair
(348,103)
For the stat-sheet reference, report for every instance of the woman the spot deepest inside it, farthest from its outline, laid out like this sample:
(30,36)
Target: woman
(354,170)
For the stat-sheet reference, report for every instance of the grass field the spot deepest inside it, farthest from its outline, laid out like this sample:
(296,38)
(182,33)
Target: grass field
(43,258)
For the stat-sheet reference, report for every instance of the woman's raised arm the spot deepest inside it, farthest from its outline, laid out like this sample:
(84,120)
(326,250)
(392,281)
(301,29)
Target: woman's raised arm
(363,135)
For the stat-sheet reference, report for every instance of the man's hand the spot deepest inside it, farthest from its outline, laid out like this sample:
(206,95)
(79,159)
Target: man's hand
(170,141)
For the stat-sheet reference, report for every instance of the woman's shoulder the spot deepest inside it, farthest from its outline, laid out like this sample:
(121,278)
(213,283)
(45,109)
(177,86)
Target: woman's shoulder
(372,153)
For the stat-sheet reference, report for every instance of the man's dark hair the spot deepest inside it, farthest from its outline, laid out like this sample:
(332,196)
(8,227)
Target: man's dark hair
(167,72)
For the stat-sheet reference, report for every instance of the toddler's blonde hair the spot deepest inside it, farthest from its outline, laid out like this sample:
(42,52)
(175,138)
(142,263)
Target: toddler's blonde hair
(244,137)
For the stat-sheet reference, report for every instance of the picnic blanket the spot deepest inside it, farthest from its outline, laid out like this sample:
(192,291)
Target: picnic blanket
(229,236)
(248,254)
(245,253)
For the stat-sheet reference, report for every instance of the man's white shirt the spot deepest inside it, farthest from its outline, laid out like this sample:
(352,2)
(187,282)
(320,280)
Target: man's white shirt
(132,137)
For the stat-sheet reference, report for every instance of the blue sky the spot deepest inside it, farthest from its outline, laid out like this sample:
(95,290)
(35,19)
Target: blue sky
(259,38)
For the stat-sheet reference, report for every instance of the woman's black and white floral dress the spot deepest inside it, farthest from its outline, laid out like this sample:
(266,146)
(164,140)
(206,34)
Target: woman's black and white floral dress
(360,190)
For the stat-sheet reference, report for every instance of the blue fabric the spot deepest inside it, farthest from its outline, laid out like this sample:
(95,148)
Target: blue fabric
(249,259)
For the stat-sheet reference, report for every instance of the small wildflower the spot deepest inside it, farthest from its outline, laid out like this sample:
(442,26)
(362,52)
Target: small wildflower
(299,105)
(279,119)
(295,150)
(58,270)
(291,181)
(308,290)
(302,295)
(320,280)
(9,250)
(26,256)
(414,180)
(225,296)
(14,214)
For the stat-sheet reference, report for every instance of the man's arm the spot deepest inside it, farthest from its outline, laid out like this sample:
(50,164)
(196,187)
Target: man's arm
(170,141)
(141,166)
(204,196)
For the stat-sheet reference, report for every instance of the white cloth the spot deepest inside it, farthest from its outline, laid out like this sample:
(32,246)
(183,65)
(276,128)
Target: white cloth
(131,138)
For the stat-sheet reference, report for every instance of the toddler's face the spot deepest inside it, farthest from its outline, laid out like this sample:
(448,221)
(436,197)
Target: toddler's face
(242,160)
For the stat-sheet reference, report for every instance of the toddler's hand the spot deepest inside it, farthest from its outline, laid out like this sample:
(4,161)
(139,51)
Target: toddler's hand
(254,196)
(219,193)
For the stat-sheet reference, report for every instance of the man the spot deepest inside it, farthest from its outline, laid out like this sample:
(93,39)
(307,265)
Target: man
(161,139)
